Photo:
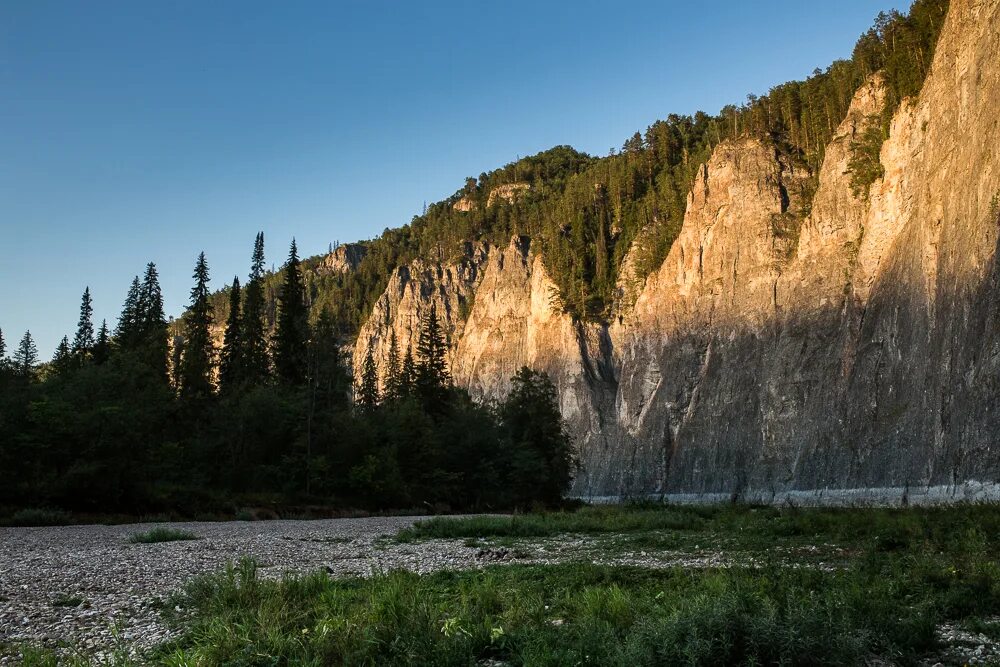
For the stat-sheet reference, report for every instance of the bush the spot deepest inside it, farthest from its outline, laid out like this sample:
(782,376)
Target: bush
(161,535)
(40,517)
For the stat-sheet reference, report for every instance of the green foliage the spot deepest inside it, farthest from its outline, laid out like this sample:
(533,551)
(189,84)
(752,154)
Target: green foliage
(864,165)
(232,363)
(879,607)
(83,342)
(25,362)
(432,376)
(367,394)
(541,457)
(199,353)
(291,335)
(257,362)
(161,534)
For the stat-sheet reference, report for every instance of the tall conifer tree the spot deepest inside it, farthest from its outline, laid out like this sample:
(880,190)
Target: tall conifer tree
(233,353)
(367,392)
(127,332)
(102,346)
(408,373)
(291,335)
(83,342)
(152,323)
(26,357)
(63,359)
(432,366)
(196,362)
(257,362)
(393,372)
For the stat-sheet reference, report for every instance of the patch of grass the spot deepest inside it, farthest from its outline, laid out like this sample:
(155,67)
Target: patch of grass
(67,600)
(884,605)
(155,535)
(600,519)
(39,517)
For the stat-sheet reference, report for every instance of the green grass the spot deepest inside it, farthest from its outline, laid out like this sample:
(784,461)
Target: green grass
(883,605)
(67,600)
(734,526)
(155,535)
(901,574)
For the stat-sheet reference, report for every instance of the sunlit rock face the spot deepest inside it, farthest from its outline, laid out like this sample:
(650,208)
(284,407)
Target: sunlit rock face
(775,350)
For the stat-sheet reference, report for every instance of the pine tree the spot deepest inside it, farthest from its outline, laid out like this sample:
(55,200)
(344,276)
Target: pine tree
(231,364)
(257,362)
(393,372)
(291,335)
(3,347)
(102,347)
(408,374)
(432,366)
(152,323)
(62,360)
(367,391)
(26,357)
(83,342)
(196,362)
(127,332)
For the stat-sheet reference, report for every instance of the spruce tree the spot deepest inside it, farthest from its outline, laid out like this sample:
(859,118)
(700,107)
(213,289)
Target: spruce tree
(257,362)
(196,362)
(83,342)
(408,374)
(26,357)
(102,347)
(62,360)
(231,364)
(393,372)
(432,366)
(3,347)
(127,332)
(367,392)
(152,323)
(291,336)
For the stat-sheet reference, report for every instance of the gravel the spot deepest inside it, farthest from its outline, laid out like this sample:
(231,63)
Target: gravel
(89,588)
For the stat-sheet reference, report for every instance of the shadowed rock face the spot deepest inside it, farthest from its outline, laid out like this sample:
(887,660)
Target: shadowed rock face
(858,346)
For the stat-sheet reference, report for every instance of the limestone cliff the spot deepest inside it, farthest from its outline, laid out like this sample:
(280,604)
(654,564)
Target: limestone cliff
(779,347)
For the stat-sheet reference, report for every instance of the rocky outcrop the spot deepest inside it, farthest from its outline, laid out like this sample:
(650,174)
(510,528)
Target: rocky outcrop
(777,350)
(509,193)
(342,259)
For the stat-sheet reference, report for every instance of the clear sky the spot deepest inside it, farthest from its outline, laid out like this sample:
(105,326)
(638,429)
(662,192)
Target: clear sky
(149,131)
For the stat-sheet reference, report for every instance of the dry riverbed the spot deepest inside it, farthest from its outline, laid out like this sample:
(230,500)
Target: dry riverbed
(88,587)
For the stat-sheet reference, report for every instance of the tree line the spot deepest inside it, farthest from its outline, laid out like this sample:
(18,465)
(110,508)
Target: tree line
(153,417)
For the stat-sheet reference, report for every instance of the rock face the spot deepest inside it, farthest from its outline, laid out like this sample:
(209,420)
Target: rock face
(854,347)
(508,193)
(343,259)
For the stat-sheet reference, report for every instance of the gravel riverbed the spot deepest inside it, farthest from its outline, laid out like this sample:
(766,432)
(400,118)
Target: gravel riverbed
(89,588)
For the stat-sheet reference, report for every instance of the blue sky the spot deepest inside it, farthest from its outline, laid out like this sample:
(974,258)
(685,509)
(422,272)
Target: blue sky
(149,131)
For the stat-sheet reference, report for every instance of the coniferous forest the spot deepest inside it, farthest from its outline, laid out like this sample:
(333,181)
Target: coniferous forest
(137,420)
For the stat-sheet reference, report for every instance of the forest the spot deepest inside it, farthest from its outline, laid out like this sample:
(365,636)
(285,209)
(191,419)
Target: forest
(139,422)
